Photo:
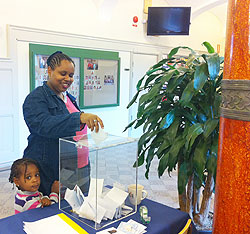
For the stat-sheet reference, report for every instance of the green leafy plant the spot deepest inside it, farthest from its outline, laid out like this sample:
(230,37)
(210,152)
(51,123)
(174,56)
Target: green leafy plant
(179,112)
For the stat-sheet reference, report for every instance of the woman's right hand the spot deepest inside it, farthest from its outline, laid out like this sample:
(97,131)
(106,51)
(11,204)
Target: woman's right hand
(92,121)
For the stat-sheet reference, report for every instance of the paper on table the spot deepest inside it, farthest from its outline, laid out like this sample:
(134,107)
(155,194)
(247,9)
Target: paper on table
(54,224)
(131,227)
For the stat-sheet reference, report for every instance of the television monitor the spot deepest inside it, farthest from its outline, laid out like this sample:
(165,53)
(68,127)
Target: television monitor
(168,20)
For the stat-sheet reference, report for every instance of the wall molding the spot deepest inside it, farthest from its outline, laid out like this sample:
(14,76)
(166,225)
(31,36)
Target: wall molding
(236,99)
(49,37)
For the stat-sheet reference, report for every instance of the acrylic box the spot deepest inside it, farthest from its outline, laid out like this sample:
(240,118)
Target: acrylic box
(94,175)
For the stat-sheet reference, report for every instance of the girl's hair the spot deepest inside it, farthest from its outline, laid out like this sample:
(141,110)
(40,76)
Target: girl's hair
(55,59)
(15,170)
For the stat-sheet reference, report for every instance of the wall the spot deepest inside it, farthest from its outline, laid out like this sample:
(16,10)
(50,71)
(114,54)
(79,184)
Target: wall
(100,18)
(92,24)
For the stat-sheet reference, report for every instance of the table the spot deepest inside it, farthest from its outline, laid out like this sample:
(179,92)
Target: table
(164,219)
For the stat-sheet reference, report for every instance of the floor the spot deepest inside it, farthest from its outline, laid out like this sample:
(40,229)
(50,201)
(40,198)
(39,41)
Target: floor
(114,164)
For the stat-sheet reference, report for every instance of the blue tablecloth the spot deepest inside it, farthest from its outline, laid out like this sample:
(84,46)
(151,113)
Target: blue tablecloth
(164,219)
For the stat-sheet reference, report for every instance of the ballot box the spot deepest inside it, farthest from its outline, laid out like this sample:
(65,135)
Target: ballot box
(95,173)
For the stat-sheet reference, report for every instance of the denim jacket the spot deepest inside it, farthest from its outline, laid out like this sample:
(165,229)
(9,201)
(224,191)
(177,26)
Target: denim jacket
(48,119)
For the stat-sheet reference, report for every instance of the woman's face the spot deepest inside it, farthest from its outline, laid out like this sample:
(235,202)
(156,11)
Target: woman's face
(61,78)
(29,180)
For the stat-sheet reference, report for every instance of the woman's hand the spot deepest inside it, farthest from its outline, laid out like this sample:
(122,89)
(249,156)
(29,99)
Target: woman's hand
(92,121)
(45,201)
(55,187)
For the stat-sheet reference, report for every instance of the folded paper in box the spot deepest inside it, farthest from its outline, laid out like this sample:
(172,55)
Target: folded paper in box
(109,206)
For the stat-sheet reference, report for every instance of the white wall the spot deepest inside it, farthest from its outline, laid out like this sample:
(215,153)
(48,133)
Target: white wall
(102,18)
(92,24)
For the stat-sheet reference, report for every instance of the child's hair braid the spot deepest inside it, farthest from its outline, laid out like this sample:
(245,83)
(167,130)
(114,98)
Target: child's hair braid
(15,170)
(55,59)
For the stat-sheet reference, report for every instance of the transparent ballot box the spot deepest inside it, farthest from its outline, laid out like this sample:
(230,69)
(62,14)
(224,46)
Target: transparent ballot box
(94,177)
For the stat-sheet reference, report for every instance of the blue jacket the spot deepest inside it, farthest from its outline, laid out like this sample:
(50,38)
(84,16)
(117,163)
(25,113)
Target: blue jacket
(48,120)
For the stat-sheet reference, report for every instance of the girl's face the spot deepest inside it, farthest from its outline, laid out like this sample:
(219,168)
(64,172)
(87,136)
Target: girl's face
(29,181)
(61,78)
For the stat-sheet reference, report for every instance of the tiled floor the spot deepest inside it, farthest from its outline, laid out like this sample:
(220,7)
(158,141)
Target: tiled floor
(115,164)
(6,194)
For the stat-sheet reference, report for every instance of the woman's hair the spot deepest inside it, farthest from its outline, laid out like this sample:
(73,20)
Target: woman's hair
(55,59)
(17,165)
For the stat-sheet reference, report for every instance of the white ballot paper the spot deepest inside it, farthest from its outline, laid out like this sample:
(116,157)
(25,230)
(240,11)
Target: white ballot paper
(74,197)
(53,224)
(109,205)
(131,227)
(99,136)
(88,210)
(117,195)
(98,206)
(95,187)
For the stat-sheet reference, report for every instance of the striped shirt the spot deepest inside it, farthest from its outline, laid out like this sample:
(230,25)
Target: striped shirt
(25,200)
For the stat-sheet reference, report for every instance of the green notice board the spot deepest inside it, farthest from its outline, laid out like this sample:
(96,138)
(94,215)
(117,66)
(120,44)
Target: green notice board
(96,78)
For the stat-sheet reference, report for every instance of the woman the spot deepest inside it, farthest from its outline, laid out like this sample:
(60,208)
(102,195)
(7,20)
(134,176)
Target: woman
(49,119)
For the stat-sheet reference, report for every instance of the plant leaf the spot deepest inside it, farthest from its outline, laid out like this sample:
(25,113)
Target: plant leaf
(188,93)
(160,63)
(149,72)
(130,125)
(199,158)
(173,152)
(176,49)
(210,48)
(150,157)
(169,119)
(149,79)
(200,76)
(182,177)
(210,126)
(213,62)
(140,160)
(139,83)
(140,122)
(193,132)
(133,99)
(163,163)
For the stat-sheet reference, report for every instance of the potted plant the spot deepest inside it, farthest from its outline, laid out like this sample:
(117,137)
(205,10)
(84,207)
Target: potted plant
(179,112)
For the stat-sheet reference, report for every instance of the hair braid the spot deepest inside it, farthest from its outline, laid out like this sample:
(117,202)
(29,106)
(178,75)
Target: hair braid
(55,59)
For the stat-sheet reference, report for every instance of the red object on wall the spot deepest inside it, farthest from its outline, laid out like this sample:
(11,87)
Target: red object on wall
(135,19)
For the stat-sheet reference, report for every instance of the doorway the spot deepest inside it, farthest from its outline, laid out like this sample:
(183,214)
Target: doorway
(140,65)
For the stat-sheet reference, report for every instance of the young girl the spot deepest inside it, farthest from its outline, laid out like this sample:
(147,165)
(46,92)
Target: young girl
(25,174)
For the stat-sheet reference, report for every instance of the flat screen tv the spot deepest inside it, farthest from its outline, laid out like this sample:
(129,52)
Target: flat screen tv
(168,20)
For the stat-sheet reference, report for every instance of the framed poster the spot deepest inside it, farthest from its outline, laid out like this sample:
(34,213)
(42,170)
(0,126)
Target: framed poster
(100,82)
(96,78)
